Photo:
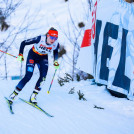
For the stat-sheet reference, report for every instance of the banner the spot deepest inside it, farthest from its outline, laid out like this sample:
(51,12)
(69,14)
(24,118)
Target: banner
(113,46)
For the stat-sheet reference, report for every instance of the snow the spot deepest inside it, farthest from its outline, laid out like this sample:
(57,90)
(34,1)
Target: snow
(71,115)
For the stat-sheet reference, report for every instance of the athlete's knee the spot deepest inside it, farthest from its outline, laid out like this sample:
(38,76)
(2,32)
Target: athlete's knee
(40,81)
(28,76)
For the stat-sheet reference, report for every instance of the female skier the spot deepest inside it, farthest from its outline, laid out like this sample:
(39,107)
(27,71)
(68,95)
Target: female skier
(38,54)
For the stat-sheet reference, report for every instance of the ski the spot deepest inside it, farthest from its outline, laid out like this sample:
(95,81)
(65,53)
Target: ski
(10,106)
(37,107)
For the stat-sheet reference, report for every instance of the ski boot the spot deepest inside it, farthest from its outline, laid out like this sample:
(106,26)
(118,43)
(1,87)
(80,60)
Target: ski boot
(33,98)
(12,97)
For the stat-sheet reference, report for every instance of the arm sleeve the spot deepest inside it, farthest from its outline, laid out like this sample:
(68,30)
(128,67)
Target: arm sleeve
(28,42)
(55,52)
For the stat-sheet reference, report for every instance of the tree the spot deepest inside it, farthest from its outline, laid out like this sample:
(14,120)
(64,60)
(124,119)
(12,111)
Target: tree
(10,33)
(74,35)
(7,8)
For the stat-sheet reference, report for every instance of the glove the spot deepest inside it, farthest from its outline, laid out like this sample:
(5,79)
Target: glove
(20,57)
(56,64)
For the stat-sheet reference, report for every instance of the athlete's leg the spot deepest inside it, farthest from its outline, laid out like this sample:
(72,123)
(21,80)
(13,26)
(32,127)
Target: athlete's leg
(29,72)
(30,64)
(43,68)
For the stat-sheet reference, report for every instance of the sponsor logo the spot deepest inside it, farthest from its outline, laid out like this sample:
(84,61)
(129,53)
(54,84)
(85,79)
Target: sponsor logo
(30,69)
(44,47)
(31,61)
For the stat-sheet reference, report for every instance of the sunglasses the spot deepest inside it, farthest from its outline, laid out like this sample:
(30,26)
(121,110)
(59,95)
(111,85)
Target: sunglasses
(53,38)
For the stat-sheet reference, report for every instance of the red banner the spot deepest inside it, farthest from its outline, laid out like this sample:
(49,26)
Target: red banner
(87,38)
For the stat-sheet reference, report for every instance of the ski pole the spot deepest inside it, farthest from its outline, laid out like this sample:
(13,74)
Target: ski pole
(8,54)
(51,82)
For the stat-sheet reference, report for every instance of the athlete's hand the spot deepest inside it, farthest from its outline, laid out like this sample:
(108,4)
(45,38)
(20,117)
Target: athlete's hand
(56,64)
(20,57)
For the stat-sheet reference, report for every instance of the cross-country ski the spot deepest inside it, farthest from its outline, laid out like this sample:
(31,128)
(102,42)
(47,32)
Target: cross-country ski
(37,107)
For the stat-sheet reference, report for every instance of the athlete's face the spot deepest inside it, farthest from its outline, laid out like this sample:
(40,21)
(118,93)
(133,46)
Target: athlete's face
(51,39)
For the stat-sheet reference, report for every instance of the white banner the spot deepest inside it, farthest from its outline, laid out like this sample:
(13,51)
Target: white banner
(114,46)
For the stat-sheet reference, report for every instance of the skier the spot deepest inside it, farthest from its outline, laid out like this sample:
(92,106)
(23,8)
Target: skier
(38,54)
